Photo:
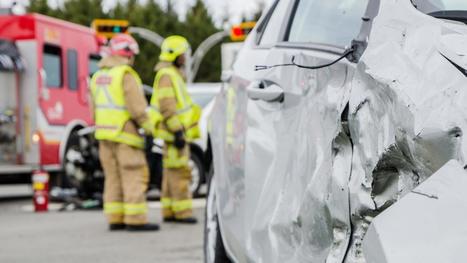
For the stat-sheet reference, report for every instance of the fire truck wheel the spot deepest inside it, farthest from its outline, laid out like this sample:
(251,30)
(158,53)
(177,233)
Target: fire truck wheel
(73,176)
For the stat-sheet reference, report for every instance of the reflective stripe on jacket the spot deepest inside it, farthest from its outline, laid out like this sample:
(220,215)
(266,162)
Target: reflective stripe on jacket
(187,113)
(110,111)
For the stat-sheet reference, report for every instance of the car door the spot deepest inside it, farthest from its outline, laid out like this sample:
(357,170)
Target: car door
(298,156)
(290,161)
(228,135)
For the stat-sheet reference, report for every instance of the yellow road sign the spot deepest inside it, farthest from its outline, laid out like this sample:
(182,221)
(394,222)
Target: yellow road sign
(110,27)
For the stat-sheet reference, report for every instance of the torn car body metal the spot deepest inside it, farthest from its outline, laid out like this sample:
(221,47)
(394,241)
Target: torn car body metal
(300,177)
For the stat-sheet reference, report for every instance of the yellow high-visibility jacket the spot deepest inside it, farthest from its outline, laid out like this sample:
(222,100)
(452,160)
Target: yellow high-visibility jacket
(187,113)
(110,111)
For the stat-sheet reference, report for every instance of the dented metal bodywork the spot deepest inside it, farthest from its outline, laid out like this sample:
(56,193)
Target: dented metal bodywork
(301,178)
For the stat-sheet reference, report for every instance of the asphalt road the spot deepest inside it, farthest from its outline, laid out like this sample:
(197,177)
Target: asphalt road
(82,236)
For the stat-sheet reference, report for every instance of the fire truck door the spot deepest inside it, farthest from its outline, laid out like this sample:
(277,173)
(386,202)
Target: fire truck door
(8,118)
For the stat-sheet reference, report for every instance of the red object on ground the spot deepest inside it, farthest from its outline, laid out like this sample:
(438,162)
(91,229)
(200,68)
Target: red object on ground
(40,185)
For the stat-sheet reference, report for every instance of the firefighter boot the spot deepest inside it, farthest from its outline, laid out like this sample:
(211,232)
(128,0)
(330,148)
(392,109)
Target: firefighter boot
(188,220)
(145,227)
(114,227)
(169,219)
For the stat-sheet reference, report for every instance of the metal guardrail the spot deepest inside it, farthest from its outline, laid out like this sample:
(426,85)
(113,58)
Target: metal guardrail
(147,34)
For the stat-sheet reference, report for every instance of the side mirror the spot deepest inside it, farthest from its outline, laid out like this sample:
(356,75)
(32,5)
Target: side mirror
(226,75)
(358,46)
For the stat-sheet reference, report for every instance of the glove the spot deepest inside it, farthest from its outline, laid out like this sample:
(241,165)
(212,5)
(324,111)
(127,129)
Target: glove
(179,141)
(148,126)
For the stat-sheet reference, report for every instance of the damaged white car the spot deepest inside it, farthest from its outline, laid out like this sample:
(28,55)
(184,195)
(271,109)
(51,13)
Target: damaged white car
(339,136)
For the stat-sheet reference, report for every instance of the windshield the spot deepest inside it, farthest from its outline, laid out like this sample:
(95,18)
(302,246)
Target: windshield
(431,6)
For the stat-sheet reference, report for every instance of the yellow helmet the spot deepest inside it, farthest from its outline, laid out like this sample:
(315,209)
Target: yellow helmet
(172,47)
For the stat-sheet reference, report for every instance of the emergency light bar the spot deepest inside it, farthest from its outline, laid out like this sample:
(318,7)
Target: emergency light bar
(241,31)
(110,27)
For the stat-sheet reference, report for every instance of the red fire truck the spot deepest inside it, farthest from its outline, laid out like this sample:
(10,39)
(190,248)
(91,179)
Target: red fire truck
(45,64)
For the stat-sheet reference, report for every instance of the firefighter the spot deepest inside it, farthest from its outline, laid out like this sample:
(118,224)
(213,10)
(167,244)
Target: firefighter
(178,127)
(119,109)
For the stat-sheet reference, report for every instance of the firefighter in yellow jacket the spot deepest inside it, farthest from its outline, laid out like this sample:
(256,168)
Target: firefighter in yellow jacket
(120,109)
(178,127)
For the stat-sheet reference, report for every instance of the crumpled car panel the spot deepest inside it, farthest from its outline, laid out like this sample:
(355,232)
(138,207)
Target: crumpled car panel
(407,110)
(427,225)
(302,180)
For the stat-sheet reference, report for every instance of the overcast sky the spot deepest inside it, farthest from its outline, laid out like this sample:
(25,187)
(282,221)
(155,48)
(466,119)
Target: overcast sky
(234,9)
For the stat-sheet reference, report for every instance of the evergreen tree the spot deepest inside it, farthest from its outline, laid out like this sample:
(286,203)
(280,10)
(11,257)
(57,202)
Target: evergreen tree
(118,12)
(152,17)
(82,11)
(41,7)
(197,26)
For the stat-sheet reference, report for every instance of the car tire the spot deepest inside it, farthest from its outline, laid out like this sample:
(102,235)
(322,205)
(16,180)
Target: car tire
(197,172)
(214,249)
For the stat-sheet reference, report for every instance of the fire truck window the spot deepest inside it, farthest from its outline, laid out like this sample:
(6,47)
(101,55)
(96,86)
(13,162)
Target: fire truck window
(53,66)
(72,61)
(93,64)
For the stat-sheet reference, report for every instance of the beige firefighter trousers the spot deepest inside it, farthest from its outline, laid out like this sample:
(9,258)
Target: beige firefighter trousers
(176,195)
(126,181)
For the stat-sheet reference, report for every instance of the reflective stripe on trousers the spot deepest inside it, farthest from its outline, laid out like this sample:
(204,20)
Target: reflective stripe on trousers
(176,205)
(135,209)
(166,202)
(181,205)
(113,208)
(125,209)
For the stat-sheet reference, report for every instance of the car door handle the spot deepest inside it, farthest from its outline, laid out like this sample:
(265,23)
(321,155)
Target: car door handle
(260,90)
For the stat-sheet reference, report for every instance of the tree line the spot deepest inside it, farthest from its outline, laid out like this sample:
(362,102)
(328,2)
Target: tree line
(196,27)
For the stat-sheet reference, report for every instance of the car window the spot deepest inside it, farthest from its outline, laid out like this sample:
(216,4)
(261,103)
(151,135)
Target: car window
(72,65)
(270,34)
(430,6)
(52,63)
(329,22)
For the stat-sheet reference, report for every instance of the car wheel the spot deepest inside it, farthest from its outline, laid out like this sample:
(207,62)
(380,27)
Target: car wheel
(197,171)
(214,250)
